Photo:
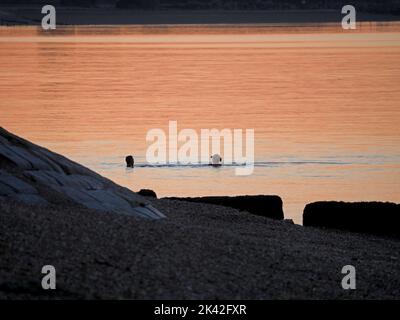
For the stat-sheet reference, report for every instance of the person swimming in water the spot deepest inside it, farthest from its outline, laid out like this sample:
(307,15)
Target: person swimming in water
(216,160)
(130,161)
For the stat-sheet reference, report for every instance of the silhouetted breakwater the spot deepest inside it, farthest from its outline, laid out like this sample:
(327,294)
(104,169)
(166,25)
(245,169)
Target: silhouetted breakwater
(261,205)
(381,218)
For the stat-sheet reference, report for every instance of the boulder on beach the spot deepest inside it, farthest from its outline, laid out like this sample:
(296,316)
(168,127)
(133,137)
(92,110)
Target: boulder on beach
(381,218)
(147,193)
(37,176)
(261,205)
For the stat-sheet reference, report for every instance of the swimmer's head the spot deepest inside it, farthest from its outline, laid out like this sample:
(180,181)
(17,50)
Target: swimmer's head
(216,159)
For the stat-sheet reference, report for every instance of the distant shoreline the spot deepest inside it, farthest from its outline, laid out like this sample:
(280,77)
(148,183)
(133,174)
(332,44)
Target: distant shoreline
(111,16)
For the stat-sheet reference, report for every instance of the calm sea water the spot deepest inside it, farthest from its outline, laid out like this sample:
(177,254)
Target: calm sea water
(324,103)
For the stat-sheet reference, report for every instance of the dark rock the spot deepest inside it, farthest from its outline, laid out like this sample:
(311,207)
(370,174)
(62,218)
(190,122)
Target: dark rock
(147,193)
(266,206)
(130,162)
(381,218)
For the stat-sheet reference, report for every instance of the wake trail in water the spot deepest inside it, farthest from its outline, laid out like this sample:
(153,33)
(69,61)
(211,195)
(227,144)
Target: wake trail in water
(261,164)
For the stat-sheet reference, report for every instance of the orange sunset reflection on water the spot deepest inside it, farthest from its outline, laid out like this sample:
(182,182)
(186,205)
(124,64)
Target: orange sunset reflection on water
(324,104)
